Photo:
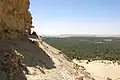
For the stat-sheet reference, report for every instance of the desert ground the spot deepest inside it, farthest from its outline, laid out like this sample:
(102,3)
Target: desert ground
(101,69)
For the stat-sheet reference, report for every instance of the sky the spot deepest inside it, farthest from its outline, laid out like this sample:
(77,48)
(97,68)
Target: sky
(55,17)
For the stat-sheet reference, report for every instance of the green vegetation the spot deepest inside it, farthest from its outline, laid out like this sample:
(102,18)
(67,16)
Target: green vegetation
(94,48)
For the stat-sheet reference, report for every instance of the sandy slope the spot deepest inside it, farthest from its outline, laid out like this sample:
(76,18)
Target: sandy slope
(63,70)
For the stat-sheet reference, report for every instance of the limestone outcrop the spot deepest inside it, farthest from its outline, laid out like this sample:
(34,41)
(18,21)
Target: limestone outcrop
(15,19)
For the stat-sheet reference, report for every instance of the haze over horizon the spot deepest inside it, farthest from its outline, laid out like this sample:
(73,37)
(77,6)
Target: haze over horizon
(55,17)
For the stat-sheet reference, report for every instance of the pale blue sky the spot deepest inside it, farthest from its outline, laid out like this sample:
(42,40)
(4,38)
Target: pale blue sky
(76,16)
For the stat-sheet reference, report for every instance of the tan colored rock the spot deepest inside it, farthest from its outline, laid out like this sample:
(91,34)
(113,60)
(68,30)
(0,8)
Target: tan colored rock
(14,18)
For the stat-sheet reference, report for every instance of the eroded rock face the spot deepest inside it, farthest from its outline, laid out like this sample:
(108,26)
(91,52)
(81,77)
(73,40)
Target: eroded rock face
(14,18)
(11,65)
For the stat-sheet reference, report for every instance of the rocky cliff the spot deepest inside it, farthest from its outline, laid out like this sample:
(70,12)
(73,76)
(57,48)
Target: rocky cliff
(15,18)
(33,59)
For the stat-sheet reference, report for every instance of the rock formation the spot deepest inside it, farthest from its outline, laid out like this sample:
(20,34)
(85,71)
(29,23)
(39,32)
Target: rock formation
(11,64)
(42,61)
(15,18)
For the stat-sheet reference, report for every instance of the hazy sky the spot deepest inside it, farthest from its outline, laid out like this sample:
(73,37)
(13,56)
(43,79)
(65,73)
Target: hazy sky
(76,16)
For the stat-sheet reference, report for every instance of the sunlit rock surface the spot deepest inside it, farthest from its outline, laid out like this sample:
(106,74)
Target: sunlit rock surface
(14,18)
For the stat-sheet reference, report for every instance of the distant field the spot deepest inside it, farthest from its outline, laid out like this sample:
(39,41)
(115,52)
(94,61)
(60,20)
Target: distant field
(88,47)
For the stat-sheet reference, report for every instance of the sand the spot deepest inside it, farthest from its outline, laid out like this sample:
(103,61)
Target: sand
(101,70)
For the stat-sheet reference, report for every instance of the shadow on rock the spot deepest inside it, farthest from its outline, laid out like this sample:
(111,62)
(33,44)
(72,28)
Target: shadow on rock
(30,54)
(11,65)
(33,55)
